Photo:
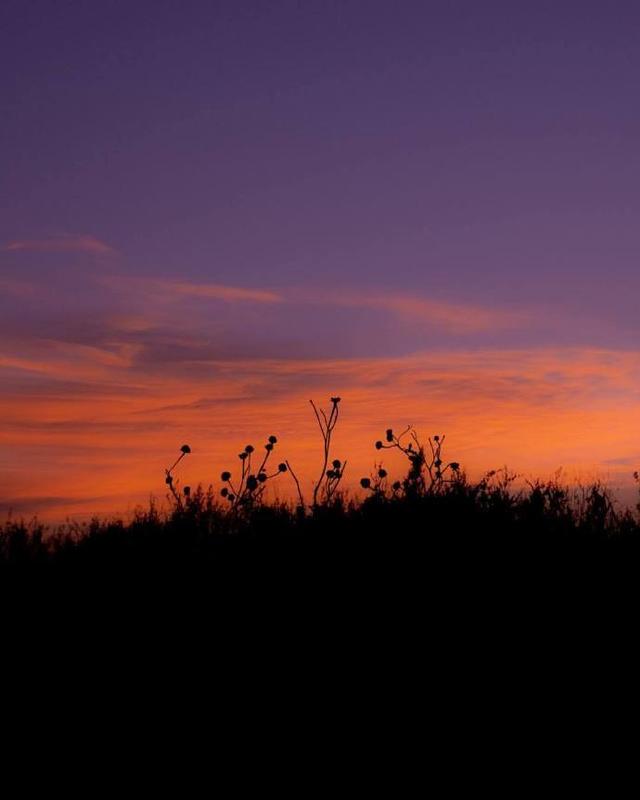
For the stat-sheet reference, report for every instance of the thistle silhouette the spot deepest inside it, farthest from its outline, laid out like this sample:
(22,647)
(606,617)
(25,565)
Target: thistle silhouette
(169,479)
(427,471)
(251,485)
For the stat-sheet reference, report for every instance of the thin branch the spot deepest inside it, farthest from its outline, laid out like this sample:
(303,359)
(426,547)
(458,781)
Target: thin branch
(315,411)
(175,464)
(297,482)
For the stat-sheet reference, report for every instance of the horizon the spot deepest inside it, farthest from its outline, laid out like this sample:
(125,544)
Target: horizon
(214,212)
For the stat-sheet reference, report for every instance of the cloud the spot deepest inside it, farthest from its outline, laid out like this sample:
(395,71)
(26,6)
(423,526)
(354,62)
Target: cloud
(174,290)
(17,288)
(61,244)
(216,291)
(70,360)
(31,505)
(454,318)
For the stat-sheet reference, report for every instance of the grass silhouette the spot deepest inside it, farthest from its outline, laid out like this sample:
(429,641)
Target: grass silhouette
(433,517)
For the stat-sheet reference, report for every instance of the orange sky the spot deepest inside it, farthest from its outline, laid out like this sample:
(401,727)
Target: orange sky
(101,446)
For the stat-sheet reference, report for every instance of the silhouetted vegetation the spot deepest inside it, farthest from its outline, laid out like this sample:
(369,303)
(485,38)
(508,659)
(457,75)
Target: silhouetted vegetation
(431,522)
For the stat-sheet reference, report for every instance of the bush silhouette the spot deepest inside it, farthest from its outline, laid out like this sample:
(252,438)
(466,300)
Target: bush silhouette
(433,514)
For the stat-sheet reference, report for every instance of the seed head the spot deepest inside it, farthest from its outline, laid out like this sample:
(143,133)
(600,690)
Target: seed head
(365,483)
(185,449)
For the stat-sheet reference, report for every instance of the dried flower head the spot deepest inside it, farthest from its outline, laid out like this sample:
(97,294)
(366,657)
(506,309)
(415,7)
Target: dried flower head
(185,449)
(225,476)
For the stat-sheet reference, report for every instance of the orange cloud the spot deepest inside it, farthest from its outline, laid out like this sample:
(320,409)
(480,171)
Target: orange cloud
(61,244)
(175,290)
(456,318)
(216,291)
(72,361)
(453,318)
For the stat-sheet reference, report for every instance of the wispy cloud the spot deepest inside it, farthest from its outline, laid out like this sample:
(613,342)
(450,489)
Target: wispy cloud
(217,291)
(61,244)
(69,360)
(17,288)
(455,318)
(174,289)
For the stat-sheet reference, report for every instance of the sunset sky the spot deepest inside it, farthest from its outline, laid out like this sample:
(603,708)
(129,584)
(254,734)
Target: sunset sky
(211,212)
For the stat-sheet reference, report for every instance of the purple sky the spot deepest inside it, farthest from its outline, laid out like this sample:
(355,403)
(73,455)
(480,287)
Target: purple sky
(397,177)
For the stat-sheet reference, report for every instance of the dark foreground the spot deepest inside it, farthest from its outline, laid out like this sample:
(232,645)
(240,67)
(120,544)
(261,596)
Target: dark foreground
(462,545)
(432,621)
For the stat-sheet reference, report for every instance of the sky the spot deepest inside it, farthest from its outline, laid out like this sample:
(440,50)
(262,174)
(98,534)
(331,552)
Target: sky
(211,212)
